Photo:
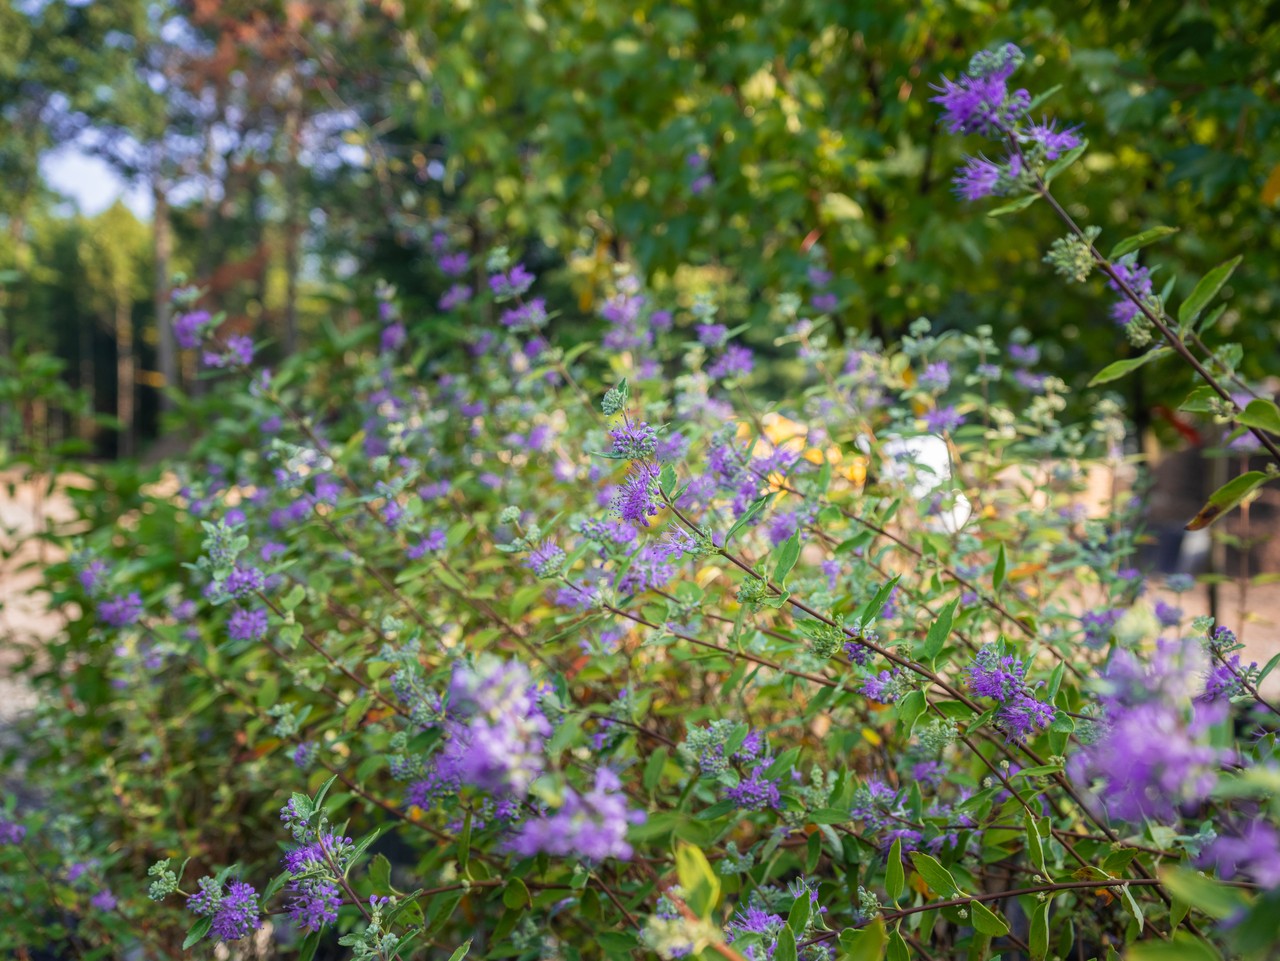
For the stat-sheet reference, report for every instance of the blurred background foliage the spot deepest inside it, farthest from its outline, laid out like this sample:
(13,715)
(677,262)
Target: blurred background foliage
(295,152)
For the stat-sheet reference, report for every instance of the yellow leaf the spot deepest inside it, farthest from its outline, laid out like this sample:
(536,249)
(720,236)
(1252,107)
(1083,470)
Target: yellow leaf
(1271,189)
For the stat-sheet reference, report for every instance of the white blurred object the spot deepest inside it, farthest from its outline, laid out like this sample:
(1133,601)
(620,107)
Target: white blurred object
(923,463)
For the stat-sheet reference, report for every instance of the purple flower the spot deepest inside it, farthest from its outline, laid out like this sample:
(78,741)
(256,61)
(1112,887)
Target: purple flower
(936,376)
(1098,624)
(633,441)
(238,352)
(453,265)
(592,826)
(92,577)
(1138,279)
(819,276)
(435,541)
(736,361)
(235,913)
(103,900)
(11,832)
(189,328)
(1223,680)
(978,178)
(304,755)
(637,499)
(754,920)
(756,792)
(315,904)
(1167,614)
(243,582)
(1024,354)
(247,625)
(1255,853)
(943,419)
(701,184)
(393,337)
(1051,140)
(649,569)
(980,102)
(546,560)
(712,335)
(527,316)
(123,610)
(513,283)
(824,303)
(996,676)
(660,320)
(455,297)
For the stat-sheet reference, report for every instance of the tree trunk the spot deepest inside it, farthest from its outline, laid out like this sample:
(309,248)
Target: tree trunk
(88,381)
(162,250)
(124,377)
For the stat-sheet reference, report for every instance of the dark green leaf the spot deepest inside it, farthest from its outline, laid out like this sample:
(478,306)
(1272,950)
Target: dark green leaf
(1137,241)
(1227,497)
(788,554)
(985,921)
(1206,290)
(1117,369)
(894,877)
(938,877)
(1263,414)
(939,631)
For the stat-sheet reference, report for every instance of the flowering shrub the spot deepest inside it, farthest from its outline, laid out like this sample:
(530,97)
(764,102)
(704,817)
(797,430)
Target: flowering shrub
(610,651)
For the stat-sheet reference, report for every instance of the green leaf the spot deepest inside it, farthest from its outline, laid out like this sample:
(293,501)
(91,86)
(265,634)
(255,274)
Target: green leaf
(1214,899)
(909,710)
(788,554)
(1038,939)
(985,921)
(1181,947)
(464,845)
(1022,203)
(380,874)
(863,944)
(653,768)
(873,607)
(1227,497)
(1065,161)
(939,631)
(1263,414)
(894,877)
(1134,907)
(296,595)
(1206,290)
(1137,241)
(798,916)
(897,947)
(309,946)
(785,949)
(461,952)
(997,575)
(1117,369)
(938,877)
(667,481)
(698,881)
(516,895)
(1200,401)
(1035,850)
(196,932)
(754,508)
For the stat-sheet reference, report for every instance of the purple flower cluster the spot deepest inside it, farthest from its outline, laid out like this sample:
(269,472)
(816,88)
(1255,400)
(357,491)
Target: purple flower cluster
(633,441)
(11,832)
(235,912)
(981,102)
(123,610)
(1002,677)
(592,825)
(237,352)
(637,499)
(1138,279)
(1154,757)
(512,283)
(247,625)
(190,328)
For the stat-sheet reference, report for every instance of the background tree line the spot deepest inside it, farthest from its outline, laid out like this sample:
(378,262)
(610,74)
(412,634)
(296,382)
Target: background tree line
(290,148)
